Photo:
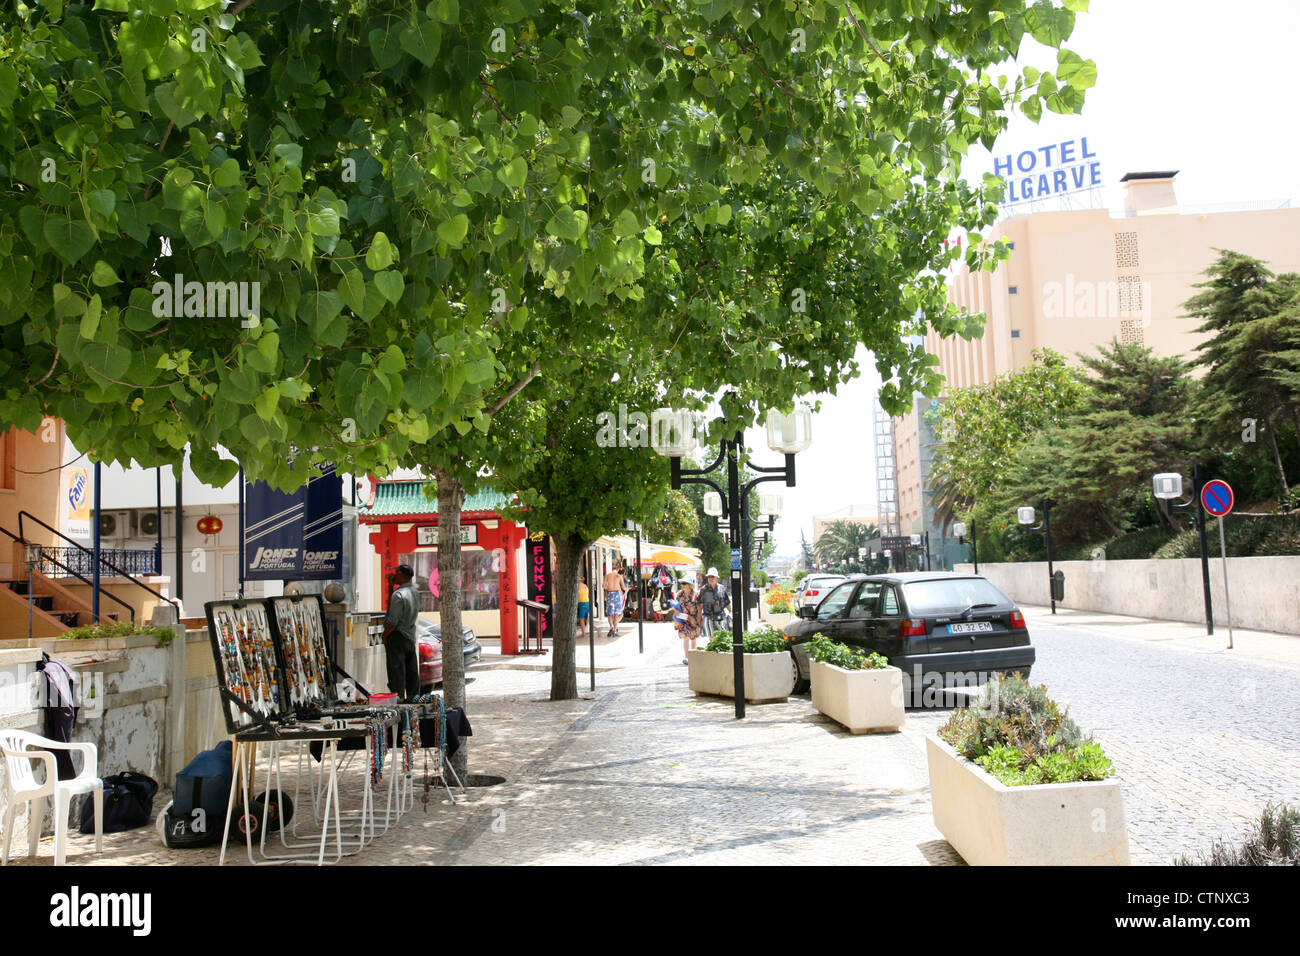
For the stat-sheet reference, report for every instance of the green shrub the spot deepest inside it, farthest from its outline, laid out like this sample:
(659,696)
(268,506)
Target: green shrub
(763,640)
(1274,841)
(782,606)
(1021,736)
(822,648)
(98,632)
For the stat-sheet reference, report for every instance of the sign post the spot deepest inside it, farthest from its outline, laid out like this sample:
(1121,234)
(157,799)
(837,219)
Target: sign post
(1217,498)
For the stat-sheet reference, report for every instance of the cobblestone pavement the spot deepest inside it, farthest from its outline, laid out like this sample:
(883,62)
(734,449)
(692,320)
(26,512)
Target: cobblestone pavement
(644,772)
(1201,740)
(641,772)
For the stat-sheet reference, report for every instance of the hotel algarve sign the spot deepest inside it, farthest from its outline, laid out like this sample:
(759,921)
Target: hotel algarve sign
(1058,169)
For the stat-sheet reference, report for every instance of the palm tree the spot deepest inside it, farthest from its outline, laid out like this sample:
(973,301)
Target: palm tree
(842,540)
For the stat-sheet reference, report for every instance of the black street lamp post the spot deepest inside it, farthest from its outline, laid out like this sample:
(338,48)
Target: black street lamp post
(673,433)
(1025,516)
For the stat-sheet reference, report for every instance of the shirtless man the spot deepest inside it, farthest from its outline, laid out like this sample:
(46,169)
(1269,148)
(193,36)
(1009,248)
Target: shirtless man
(615,596)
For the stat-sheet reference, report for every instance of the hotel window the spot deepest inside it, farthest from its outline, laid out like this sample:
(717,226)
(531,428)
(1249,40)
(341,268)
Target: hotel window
(1013,290)
(1015,333)
(1011,246)
(480,586)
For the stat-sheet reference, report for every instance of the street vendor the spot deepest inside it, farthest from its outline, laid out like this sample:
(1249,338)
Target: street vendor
(399,635)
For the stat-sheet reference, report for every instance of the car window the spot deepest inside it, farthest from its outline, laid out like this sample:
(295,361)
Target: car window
(889,604)
(826,582)
(866,601)
(952,594)
(835,601)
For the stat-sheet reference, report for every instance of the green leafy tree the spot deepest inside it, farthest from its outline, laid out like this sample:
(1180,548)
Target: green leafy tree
(575,506)
(1249,320)
(1137,419)
(982,428)
(397,179)
(677,523)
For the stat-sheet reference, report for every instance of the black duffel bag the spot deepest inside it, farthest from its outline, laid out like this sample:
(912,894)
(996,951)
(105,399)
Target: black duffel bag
(128,803)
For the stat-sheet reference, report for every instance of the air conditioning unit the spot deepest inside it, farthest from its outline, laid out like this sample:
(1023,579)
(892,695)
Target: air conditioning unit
(146,524)
(116,524)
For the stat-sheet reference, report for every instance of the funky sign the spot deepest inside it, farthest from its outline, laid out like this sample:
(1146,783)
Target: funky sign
(1053,170)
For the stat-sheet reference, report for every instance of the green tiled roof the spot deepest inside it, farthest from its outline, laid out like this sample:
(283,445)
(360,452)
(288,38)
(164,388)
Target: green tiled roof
(396,498)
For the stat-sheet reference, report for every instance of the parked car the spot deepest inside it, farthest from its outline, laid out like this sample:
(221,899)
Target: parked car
(816,587)
(429,648)
(939,628)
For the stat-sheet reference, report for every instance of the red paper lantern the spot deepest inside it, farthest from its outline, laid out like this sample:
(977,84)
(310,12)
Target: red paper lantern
(210,524)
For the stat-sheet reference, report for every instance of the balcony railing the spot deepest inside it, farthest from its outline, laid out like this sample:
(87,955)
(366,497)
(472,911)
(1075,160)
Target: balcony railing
(69,562)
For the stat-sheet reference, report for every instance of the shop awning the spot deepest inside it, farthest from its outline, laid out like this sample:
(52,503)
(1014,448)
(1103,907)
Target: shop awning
(672,557)
(405,499)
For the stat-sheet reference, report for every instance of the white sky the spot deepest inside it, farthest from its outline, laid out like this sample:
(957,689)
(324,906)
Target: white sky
(1192,85)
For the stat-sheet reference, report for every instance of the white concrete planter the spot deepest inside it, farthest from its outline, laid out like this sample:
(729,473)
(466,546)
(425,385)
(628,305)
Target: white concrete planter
(779,621)
(865,701)
(768,677)
(1050,824)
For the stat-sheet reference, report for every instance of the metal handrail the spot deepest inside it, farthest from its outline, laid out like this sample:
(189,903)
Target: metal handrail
(108,564)
(108,594)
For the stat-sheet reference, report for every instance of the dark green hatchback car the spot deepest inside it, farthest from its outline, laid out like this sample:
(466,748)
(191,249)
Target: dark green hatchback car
(941,629)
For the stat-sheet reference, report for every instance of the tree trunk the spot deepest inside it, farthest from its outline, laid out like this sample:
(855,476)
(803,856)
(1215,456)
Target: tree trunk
(1277,459)
(451,497)
(1108,522)
(564,615)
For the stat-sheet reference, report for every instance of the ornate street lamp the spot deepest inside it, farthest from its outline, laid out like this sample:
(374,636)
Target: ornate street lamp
(673,434)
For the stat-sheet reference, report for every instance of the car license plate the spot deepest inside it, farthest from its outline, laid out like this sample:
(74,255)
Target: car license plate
(970,628)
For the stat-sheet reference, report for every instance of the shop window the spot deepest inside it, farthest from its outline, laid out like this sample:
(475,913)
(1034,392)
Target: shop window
(480,585)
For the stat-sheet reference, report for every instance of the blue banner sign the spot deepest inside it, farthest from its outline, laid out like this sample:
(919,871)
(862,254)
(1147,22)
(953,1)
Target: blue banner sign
(294,536)
(1054,170)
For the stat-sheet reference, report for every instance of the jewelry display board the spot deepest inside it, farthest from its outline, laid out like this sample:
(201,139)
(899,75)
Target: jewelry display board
(299,625)
(248,667)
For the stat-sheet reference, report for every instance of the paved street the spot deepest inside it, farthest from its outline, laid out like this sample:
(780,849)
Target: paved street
(1202,739)
(644,772)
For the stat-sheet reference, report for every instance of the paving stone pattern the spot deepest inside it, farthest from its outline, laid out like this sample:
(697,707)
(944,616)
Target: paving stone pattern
(645,772)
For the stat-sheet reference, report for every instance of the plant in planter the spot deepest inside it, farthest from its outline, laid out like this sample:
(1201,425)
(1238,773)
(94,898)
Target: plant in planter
(96,632)
(1273,841)
(861,691)
(1014,781)
(769,670)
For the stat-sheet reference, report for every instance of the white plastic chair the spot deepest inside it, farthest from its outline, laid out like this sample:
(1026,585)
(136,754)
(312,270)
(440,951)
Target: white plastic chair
(22,750)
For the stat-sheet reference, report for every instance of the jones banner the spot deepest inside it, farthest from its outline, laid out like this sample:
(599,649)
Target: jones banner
(297,535)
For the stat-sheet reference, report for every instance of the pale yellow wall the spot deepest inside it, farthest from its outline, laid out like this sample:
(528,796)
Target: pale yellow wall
(36,493)
(1074,248)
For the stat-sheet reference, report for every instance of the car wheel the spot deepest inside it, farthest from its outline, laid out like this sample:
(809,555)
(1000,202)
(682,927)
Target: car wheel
(801,684)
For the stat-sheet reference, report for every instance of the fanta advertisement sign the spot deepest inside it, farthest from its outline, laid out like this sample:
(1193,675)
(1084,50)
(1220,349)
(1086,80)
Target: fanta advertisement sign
(1056,169)
(76,502)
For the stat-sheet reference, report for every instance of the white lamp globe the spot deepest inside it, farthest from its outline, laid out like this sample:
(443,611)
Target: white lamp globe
(790,433)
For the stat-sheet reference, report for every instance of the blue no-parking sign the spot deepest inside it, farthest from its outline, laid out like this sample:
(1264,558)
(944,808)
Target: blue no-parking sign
(1217,497)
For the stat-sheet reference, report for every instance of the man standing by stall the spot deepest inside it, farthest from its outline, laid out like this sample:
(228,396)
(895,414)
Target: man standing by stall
(399,635)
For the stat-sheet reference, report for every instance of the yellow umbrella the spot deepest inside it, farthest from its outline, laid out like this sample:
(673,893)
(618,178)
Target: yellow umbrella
(670,558)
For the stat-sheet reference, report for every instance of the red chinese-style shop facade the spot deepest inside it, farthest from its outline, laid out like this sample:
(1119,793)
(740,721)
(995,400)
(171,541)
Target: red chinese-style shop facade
(404,530)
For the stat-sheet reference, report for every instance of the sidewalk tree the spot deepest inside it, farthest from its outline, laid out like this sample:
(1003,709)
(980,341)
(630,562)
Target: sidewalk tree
(677,523)
(841,541)
(390,175)
(577,487)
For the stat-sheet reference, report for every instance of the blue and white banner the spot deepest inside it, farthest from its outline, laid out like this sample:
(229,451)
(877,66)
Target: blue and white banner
(323,529)
(294,536)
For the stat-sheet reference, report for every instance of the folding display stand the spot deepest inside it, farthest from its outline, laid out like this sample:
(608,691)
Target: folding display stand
(251,678)
(280,686)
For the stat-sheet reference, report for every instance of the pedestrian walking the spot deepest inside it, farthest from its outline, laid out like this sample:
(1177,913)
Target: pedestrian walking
(686,618)
(399,635)
(713,604)
(584,603)
(615,598)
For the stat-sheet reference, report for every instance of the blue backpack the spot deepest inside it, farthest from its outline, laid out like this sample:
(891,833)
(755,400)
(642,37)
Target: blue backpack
(197,812)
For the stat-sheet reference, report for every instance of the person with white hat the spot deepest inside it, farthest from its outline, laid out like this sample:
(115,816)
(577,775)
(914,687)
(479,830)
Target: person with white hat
(713,603)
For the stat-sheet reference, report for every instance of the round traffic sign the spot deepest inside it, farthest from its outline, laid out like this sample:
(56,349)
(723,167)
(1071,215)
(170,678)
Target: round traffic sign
(1217,497)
